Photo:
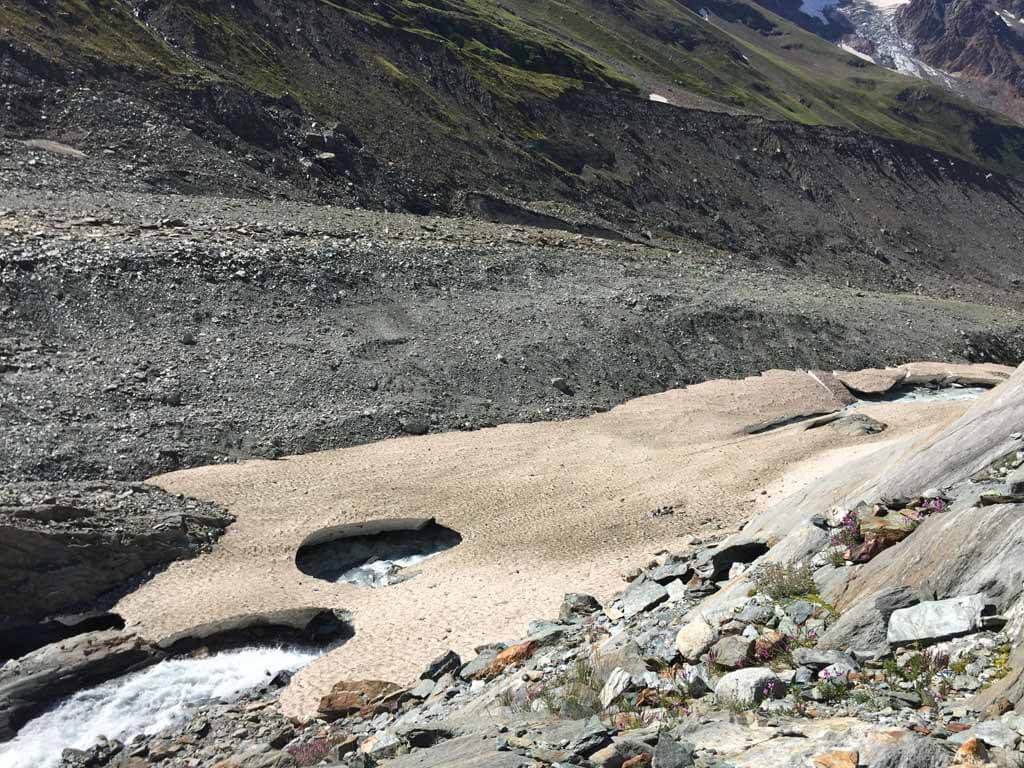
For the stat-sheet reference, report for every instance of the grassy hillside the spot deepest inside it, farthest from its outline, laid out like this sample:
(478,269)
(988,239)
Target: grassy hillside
(456,62)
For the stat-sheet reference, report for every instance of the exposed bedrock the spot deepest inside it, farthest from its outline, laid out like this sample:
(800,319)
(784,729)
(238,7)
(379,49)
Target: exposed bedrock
(20,639)
(973,550)
(80,547)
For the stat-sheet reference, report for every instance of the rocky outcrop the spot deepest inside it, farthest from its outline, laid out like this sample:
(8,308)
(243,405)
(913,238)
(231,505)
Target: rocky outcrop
(937,620)
(349,697)
(604,690)
(77,545)
(969,554)
(863,627)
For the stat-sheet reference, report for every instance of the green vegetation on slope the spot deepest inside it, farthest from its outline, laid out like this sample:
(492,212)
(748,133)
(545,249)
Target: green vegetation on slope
(458,59)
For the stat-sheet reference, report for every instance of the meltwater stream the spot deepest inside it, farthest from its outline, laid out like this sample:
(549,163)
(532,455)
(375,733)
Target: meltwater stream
(924,395)
(382,573)
(145,702)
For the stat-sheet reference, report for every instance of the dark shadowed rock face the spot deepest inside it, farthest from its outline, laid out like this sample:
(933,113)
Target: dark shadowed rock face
(67,549)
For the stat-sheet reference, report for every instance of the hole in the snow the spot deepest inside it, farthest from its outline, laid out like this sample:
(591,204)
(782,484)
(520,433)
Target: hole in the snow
(373,554)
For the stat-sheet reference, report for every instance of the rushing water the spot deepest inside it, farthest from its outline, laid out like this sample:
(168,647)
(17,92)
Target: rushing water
(381,573)
(145,702)
(931,395)
(926,395)
(377,558)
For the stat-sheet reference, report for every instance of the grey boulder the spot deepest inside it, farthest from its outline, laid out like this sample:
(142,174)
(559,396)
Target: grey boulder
(863,626)
(914,752)
(748,687)
(669,753)
(577,606)
(732,652)
(937,620)
(642,595)
(695,638)
(995,733)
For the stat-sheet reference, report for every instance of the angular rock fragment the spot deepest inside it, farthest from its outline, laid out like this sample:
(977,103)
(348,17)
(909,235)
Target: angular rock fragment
(642,595)
(447,662)
(510,657)
(672,570)
(477,666)
(837,758)
(863,626)
(618,681)
(348,697)
(695,638)
(669,753)
(745,688)
(937,620)
(576,607)
(732,652)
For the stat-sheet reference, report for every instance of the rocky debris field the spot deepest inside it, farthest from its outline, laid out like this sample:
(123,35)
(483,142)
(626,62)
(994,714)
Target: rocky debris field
(150,333)
(727,654)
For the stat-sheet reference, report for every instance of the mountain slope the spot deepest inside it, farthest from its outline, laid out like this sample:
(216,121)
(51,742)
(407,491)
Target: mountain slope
(980,41)
(453,67)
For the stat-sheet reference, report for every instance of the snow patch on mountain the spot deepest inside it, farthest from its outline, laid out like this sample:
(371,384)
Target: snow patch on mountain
(817,8)
(1016,23)
(855,52)
(887,4)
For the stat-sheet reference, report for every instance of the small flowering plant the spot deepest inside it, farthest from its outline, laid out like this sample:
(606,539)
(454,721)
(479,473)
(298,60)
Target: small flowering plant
(847,534)
(923,508)
(767,652)
(309,752)
(773,689)
(833,685)
(830,675)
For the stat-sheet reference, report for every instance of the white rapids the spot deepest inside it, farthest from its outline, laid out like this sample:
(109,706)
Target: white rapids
(145,702)
(382,573)
(925,395)
(928,395)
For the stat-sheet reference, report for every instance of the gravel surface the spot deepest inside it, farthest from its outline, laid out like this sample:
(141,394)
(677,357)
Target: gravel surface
(144,333)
